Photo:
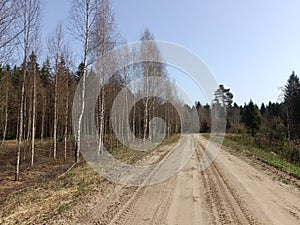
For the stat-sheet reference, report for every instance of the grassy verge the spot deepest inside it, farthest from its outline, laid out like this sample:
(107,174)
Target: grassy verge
(170,140)
(245,145)
(130,156)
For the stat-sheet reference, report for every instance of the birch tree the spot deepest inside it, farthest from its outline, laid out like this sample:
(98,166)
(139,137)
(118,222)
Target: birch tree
(103,39)
(30,9)
(146,51)
(36,48)
(149,50)
(33,65)
(56,47)
(10,27)
(82,18)
(63,98)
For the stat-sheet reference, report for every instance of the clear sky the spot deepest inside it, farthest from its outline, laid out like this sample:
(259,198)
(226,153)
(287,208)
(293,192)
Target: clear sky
(251,46)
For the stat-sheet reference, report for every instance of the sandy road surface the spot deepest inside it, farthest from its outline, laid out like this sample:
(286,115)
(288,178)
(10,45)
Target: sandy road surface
(229,192)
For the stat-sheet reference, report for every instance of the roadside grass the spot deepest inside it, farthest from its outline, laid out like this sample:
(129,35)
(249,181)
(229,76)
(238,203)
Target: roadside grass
(245,145)
(131,156)
(53,195)
(170,140)
(38,203)
(127,155)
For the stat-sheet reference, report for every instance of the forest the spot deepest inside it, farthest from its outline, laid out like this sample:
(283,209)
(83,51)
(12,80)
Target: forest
(274,126)
(37,90)
(37,95)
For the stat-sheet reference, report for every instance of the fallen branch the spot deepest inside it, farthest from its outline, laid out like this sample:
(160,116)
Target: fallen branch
(74,164)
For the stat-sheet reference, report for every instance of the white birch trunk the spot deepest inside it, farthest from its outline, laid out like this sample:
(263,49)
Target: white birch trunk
(146,112)
(33,115)
(66,120)
(55,109)
(86,47)
(17,172)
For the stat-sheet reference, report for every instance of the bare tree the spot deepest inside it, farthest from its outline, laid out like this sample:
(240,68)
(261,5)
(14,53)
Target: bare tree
(10,28)
(63,98)
(149,51)
(134,72)
(30,16)
(82,15)
(56,47)
(126,75)
(66,117)
(145,51)
(36,47)
(103,39)
(32,106)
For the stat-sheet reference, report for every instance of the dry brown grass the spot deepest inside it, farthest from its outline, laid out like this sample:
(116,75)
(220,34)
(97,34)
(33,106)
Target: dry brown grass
(42,195)
(38,203)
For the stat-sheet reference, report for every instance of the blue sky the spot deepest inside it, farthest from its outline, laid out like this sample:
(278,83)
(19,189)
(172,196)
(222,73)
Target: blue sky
(251,46)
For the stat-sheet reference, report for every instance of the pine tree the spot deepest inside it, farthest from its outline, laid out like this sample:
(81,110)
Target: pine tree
(251,118)
(292,106)
(223,96)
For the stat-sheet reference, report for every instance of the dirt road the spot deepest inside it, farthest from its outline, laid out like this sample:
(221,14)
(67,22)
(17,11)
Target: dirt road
(229,192)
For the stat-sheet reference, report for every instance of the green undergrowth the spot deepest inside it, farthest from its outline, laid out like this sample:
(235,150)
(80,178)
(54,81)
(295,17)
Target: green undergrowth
(246,145)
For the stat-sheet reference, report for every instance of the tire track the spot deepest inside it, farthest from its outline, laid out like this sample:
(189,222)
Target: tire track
(224,203)
(127,212)
(152,211)
(230,191)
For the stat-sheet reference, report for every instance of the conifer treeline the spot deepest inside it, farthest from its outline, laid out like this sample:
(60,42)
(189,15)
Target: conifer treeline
(275,125)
